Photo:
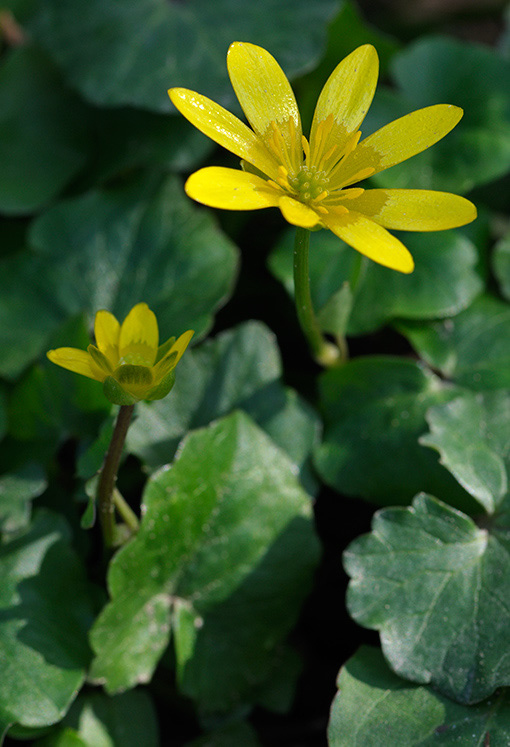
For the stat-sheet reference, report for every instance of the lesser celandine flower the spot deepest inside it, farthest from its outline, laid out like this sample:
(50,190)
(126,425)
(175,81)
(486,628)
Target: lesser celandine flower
(313,182)
(127,357)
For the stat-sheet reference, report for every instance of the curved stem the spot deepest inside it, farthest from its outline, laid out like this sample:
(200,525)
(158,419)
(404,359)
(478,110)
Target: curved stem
(108,476)
(323,351)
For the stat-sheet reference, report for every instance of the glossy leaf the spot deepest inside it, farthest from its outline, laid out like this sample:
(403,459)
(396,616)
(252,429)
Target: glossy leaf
(374,410)
(43,592)
(240,369)
(111,249)
(374,707)
(445,280)
(43,142)
(471,435)
(132,53)
(435,586)
(231,553)
(473,348)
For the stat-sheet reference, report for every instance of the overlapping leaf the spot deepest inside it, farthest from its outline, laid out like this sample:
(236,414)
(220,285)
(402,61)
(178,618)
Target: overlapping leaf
(240,369)
(45,613)
(374,707)
(444,282)
(374,410)
(437,588)
(473,348)
(112,249)
(129,54)
(472,436)
(223,558)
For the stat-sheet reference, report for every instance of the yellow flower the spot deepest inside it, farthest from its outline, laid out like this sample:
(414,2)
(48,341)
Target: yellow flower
(312,181)
(127,358)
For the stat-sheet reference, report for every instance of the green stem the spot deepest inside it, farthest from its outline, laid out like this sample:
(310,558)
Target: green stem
(127,513)
(323,351)
(108,476)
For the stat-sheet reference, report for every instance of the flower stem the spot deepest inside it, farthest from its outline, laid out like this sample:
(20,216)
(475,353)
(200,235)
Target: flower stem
(108,476)
(323,351)
(127,513)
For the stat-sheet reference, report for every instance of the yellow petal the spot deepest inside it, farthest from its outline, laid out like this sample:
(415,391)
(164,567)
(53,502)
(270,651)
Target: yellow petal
(181,344)
(107,331)
(298,214)
(224,128)
(139,337)
(265,95)
(78,361)
(414,209)
(231,189)
(400,140)
(347,95)
(370,239)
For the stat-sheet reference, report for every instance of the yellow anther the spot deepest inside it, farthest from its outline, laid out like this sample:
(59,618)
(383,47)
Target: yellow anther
(322,196)
(273,184)
(363,174)
(320,209)
(306,147)
(349,194)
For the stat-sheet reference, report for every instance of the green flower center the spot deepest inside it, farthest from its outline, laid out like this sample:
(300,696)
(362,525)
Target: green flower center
(309,184)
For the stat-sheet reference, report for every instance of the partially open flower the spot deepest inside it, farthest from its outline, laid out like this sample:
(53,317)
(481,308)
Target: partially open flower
(127,358)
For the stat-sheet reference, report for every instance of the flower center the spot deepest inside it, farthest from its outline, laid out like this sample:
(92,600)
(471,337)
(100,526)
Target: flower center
(309,184)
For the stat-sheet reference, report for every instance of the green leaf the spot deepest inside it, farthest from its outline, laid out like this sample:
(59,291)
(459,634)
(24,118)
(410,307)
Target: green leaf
(98,720)
(17,488)
(240,369)
(127,139)
(43,144)
(471,435)
(445,281)
(437,70)
(131,54)
(112,249)
(473,348)
(373,704)
(224,557)
(436,588)
(49,403)
(43,594)
(374,410)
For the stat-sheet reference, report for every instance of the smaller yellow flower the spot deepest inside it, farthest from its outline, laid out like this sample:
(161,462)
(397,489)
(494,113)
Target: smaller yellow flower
(127,358)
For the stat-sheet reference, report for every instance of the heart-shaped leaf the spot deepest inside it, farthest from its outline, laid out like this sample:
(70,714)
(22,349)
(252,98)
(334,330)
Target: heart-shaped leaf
(223,558)
(436,586)
(43,593)
(111,249)
(133,52)
(471,435)
(473,348)
(374,705)
(374,411)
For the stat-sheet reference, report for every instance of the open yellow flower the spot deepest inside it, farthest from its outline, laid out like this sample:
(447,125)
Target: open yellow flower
(127,359)
(312,181)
